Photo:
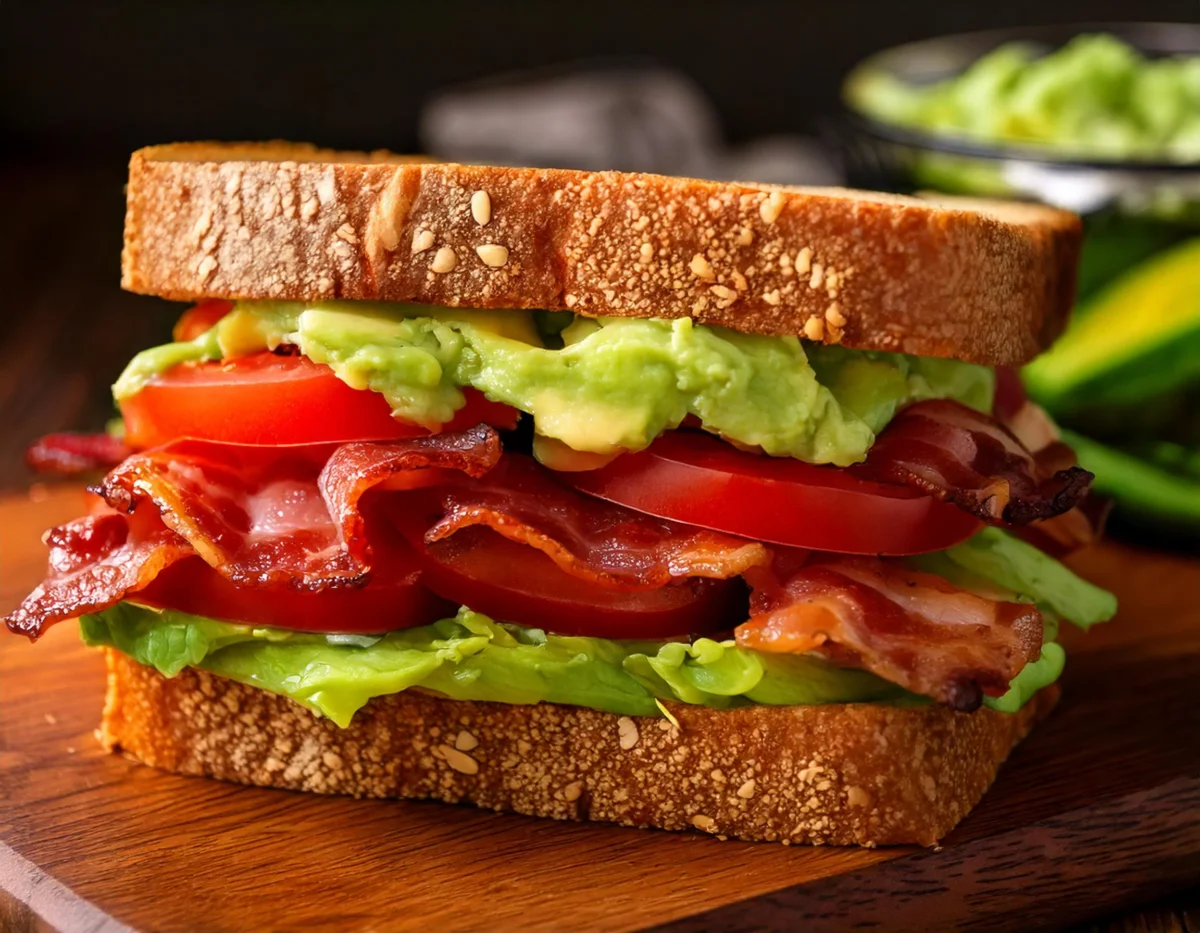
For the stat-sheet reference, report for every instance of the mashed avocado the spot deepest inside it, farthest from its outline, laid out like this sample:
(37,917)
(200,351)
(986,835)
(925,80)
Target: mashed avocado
(613,384)
(1095,97)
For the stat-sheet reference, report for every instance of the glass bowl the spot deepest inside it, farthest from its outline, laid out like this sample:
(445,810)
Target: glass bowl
(881,154)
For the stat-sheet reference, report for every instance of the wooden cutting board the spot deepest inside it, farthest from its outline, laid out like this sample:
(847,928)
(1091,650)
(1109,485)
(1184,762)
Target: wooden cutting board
(1099,809)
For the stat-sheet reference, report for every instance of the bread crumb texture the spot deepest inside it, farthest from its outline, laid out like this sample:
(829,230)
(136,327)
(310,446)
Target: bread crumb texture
(848,774)
(982,281)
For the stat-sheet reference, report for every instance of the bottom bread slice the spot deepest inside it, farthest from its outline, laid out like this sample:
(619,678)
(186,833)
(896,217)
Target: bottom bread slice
(860,773)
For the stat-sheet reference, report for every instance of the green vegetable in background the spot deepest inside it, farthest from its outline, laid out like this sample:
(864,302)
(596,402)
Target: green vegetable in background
(1114,243)
(1143,488)
(1135,340)
(1126,375)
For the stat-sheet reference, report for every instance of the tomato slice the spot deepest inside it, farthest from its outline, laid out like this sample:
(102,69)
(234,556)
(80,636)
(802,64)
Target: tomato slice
(199,318)
(270,399)
(393,599)
(698,479)
(513,582)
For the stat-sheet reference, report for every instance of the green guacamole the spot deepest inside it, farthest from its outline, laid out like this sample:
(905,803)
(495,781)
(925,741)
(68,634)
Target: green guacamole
(1096,97)
(613,384)
(472,657)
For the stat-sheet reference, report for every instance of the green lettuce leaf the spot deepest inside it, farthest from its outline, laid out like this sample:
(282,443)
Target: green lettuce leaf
(993,558)
(471,657)
(1033,676)
(713,673)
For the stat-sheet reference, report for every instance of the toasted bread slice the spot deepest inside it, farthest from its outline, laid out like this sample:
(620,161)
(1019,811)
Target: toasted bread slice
(987,282)
(866,774)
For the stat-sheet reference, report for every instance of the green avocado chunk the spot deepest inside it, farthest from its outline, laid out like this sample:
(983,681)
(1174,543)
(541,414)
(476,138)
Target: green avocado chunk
(613,384)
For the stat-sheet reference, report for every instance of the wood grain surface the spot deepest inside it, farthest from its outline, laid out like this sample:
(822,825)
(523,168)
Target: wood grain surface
(1098,810)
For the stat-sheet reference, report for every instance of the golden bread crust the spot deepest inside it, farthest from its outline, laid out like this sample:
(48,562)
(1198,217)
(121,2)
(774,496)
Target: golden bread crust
(863,774)
(981,281)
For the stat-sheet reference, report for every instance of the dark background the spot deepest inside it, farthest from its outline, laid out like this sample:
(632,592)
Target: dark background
(108,77)
(83,84)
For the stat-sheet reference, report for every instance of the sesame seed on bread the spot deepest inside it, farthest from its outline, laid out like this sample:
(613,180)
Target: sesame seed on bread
(866,774)
(983,281)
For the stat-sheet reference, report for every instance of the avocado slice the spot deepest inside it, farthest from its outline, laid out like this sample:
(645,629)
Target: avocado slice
(1137,339)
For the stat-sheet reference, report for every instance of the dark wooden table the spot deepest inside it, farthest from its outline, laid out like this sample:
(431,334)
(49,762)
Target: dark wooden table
(67,330)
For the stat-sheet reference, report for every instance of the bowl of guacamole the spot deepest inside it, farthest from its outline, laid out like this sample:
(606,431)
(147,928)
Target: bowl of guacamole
(1131,96)
(1103,120)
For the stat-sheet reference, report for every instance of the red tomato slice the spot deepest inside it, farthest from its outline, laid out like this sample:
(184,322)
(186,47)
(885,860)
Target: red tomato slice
(199,318)
(393,599)
(513,582)
(698,479)
(270,399)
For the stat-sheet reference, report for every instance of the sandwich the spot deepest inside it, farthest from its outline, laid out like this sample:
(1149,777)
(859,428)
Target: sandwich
(656,501)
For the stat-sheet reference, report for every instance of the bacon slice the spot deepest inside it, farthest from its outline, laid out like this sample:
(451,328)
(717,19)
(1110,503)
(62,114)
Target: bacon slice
(590,538)
(441,460)
(962,456)
(258,515)
(1074,529)
(301,517)
(96,562)
(1077,527)
(72,454)
(911,628)
(268,516)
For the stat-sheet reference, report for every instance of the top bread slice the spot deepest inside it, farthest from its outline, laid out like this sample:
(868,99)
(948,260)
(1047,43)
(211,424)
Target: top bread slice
(985,281)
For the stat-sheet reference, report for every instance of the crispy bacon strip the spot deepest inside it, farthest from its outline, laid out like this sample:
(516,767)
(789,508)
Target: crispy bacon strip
(914,629)
(300,516)
(441,460)
(1077,527)
(265,516)
(965,457)
(72,454)
(95,562)
(587,537)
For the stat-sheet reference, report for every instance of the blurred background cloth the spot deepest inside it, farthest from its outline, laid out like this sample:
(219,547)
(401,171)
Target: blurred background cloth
(592,115)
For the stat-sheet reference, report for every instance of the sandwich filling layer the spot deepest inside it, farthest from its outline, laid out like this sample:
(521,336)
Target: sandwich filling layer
(470,656)
(336,501)
(597,386)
